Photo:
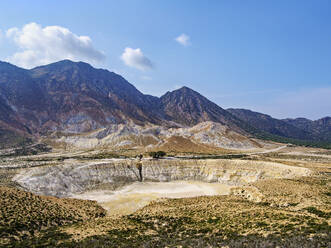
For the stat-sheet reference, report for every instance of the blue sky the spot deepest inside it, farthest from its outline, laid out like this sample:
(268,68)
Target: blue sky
(269,56)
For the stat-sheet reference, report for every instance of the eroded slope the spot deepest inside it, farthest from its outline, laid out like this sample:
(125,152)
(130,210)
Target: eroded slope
(75,177)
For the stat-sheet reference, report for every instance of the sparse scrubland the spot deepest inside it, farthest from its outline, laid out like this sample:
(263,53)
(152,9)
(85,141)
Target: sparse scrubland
(267,212)
(23,214)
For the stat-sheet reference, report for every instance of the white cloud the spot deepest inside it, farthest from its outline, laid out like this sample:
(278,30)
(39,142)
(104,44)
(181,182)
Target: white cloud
(11,32)
(183,39)
(42,45)
(135,58)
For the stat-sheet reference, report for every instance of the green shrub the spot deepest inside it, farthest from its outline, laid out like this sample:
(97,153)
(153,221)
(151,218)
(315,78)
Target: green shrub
(158,154)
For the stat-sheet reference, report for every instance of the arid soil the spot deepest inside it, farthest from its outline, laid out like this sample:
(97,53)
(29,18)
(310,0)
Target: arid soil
(139,194)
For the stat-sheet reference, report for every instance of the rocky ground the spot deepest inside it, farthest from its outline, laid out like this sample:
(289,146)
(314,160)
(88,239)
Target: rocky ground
(269,212)
(205,137)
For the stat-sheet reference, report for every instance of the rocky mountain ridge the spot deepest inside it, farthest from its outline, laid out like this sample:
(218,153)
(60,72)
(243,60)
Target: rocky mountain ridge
(299,128)
(320,127)
(74,97)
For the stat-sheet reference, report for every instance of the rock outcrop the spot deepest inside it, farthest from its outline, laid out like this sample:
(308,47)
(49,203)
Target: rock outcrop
(208,134)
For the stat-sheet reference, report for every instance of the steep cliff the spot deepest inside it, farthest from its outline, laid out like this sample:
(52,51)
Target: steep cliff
(72,177)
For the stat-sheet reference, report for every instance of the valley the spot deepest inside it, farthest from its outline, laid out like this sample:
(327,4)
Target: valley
(274,195)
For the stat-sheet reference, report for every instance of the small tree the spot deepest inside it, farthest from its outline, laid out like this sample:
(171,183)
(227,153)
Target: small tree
(139,166)
(161,154)
(158,154)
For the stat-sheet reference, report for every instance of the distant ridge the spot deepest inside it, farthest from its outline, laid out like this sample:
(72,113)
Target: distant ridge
(320,128)
(299,129)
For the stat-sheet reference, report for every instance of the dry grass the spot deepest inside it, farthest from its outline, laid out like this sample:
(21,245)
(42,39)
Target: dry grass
(23,214)
(212,221)
(178,144)
(224,220)
(297,193)
(6,176)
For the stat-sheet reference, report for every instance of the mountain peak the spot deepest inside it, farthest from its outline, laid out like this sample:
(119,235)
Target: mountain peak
(182,92)
(184,89)
(65,65)
(70,62)
(188,107)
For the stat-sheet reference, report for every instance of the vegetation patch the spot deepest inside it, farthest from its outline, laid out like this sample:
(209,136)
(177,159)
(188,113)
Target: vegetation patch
(317,212)
(158,154)
(23,214)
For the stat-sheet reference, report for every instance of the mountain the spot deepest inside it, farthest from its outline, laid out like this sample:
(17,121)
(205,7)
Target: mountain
(320,128)
(13,131)
(70,96)
(271,125)
(188,107)
(118,99)
(299,129)
(74,98)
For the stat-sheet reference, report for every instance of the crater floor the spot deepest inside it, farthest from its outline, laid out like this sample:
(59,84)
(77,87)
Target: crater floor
(139,194)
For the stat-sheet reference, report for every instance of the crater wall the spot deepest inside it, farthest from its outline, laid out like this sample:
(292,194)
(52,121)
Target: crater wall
(74,177)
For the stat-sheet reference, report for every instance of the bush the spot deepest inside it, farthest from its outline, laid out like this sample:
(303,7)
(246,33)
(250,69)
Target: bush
(158,154)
